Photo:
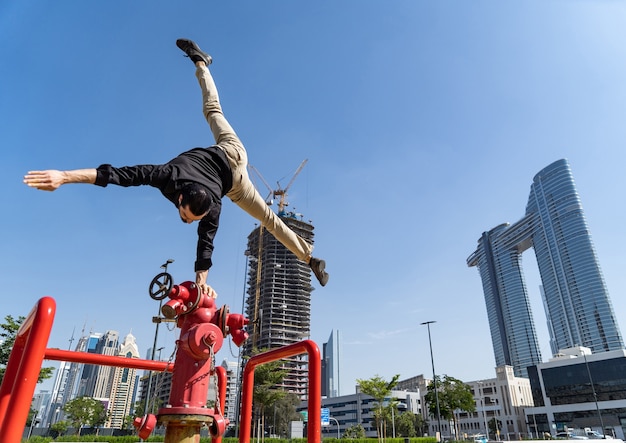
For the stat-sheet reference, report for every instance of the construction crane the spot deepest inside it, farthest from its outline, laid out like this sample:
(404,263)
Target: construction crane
(281,193)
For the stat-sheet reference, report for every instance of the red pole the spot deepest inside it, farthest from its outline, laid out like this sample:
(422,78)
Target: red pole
(314,394)
(222,380)
(108,360)
(23,370)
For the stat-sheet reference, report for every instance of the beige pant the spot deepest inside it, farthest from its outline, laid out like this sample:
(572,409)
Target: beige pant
(243,192)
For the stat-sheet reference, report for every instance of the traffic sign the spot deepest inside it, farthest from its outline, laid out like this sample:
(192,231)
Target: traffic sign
(325,417)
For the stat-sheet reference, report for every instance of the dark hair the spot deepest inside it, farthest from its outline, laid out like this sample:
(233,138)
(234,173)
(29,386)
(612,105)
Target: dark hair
(197,197)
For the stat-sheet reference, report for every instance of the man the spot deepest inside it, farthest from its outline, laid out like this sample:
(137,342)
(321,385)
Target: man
(196,180)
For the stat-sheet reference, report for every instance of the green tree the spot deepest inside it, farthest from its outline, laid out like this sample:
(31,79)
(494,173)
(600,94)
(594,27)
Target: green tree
(495,426)
(405,425)
(85,411)
(421,425)
(60,427)
(155,404)
(282,413)
(128,422)
(266,392)
(380,390)
(389,416)
(31,416)
(355,431)
(409,424)
(140,408)
(453,394)
(8,333)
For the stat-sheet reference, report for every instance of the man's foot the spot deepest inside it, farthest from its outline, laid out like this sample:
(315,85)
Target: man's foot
(318,266)
(193,51)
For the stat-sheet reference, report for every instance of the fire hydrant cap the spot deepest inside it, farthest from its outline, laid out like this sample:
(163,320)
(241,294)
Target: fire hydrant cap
(202,338)
(145,425)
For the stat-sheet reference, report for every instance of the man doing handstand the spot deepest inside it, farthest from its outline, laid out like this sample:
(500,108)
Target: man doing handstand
(196,180)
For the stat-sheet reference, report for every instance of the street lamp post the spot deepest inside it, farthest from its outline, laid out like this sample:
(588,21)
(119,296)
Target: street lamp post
(593,390)
(156,336)
(33,421)
(240,355)
(432,361)
(333,418)
(495,418)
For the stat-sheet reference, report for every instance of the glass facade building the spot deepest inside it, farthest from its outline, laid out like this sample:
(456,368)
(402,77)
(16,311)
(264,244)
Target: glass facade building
(580,391)
(576,301)
(330,366)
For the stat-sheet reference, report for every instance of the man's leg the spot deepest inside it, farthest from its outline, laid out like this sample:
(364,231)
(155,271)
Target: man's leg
(243,192)
(224,135)
(247,198)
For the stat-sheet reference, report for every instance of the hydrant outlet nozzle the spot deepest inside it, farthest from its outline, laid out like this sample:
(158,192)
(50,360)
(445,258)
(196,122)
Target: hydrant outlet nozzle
(145,425)
(168,311)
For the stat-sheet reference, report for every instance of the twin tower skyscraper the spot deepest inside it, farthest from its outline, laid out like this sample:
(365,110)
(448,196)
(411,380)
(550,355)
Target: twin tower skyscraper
(576,300)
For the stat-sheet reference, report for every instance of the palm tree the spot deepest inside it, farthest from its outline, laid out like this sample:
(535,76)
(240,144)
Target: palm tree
(265,392)
(380,390)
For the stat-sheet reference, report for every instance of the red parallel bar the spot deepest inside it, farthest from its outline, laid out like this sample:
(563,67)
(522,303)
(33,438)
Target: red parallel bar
(22,371)
(108,360)
(222,380)
(315,387)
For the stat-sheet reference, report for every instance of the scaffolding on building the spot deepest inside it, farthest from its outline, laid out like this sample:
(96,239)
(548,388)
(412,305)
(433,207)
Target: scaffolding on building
(278,301)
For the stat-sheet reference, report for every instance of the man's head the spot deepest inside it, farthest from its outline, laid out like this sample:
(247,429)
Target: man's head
(194,202)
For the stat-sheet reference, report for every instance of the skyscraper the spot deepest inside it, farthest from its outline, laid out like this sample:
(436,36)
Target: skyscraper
(231,402)
(278,301)
(59,392)
(330,366)
(576,300)
(99,384)
(122,384)
(88,372)
(578,307)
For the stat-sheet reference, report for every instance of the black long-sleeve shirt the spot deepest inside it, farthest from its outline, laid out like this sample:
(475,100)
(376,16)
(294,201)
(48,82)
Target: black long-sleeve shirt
(206,166)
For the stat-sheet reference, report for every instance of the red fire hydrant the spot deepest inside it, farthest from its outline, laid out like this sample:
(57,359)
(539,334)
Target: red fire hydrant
(203,329)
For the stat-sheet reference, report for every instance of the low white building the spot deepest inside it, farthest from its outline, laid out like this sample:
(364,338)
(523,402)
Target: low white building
(347,411)
(502,398)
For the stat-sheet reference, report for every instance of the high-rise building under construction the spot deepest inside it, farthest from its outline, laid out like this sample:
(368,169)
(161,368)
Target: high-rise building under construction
(278,301)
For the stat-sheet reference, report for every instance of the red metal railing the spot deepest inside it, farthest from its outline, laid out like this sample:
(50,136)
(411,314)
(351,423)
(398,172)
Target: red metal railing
(29,351)
(26,359)
(108,360)
(314,394)
(22,371)
(222,379)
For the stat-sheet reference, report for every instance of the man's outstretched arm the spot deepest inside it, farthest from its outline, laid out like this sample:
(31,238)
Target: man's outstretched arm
(51,180)
(201,283)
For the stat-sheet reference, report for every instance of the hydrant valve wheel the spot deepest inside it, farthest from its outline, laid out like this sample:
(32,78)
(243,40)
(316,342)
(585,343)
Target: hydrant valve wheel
(160,286)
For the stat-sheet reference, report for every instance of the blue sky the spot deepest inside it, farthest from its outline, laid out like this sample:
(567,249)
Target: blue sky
(423,124)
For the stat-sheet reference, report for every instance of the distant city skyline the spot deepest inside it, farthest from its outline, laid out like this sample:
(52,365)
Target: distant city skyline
(575,296)
(116,387)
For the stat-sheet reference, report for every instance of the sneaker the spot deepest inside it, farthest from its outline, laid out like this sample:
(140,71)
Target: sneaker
(318,266)
(193,51)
